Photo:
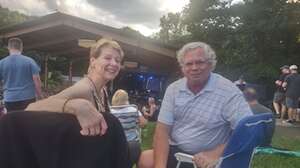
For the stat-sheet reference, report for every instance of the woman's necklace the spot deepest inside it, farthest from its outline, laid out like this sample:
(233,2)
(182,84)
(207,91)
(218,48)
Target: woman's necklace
(98,99)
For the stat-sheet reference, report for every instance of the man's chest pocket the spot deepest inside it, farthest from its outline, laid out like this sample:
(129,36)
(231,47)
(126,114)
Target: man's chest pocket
(181,102)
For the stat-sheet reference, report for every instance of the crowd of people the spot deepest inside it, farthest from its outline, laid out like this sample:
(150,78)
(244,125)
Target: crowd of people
(287,96)
(197,115)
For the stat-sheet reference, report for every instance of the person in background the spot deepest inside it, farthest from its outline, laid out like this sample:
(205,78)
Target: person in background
(151,110)
(279,95)
(292,85)
(21,79)
(251,97)
(119,99)
(241,83)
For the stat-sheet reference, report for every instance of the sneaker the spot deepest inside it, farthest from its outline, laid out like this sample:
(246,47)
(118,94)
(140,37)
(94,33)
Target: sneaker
(286,123)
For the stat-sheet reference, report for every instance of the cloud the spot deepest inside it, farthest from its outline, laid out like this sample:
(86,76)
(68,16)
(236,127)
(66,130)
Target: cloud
(28,7)
(143,15)
(132,11)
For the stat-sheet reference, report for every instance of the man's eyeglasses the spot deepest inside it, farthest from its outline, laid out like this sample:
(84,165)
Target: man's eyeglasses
(199,63)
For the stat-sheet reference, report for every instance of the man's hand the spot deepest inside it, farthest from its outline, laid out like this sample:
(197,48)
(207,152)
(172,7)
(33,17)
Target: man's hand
(278,82)
(91,121)
(142,121)
(209,159)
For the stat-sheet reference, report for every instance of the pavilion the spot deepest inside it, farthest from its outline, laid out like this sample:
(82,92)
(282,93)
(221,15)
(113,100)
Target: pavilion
(58,34)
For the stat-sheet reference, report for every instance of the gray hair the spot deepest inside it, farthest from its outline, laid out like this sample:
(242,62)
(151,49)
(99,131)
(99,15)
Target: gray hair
(208,52)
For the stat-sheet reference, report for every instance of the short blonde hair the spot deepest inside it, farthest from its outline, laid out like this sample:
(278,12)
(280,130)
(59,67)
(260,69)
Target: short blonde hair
(120,98)
(96,48)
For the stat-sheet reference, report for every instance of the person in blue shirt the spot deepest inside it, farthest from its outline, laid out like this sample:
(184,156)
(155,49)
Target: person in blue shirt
(20,77)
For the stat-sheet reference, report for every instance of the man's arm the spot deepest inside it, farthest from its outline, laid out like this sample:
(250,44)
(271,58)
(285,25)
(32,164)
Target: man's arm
(286,81)
(163,127)
(278,82)
(161,145)
(38,86)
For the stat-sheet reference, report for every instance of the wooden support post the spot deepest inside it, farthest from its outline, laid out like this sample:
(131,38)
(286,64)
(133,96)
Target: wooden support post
(46,72)
(70,71)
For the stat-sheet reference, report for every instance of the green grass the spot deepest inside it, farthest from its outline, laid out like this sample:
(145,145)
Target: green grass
(147,136)
(259,161)
(279,161)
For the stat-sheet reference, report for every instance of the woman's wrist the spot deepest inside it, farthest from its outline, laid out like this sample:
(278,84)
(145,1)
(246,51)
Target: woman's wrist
(68,107)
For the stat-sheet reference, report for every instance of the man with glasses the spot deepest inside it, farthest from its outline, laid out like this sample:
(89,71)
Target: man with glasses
(198,112)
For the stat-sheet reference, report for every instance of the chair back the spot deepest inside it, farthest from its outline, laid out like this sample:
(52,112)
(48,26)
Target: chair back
(48,140)
(251,132)
(128,115)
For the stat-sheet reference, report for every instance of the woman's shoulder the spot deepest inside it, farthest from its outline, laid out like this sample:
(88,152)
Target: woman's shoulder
(80,89)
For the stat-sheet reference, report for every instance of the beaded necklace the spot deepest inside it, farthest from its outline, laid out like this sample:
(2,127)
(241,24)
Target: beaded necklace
(98,99)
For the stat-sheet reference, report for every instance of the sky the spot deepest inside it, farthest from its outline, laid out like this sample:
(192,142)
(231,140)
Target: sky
(141,15)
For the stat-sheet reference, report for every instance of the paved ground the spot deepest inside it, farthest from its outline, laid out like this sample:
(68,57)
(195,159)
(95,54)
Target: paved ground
(288,130)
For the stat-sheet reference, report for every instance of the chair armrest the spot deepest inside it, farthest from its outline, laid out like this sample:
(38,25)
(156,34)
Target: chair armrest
(182,157)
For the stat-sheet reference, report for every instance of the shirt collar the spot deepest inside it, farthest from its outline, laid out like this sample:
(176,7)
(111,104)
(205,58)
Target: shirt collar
(14,54)
(209,86)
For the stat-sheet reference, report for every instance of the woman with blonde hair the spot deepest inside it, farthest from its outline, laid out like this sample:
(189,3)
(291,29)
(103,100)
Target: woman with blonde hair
(86,99)
(121,108)
(121,98)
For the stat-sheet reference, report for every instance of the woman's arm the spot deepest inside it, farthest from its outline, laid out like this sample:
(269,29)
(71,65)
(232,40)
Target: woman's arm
(142,121)
(90,120)
(51,104)
(56,102)
(74,100)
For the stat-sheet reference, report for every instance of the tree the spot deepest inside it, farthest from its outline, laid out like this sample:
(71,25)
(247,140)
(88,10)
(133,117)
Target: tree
(253,38)
(173,29)
(11,17)
(8,18)
(131,32)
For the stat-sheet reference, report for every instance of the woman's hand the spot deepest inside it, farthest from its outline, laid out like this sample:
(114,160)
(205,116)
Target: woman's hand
(91,121)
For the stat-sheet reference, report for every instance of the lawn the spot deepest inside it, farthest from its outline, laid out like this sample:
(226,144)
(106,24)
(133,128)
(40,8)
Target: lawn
(276,161)
(280,140)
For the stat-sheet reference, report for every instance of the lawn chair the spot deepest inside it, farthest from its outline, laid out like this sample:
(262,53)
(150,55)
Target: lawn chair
(53,140)
(251,132)
(128,115)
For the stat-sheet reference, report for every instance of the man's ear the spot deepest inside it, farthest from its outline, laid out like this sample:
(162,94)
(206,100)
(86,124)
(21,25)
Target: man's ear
(211,66)
(92,60)
(181,69)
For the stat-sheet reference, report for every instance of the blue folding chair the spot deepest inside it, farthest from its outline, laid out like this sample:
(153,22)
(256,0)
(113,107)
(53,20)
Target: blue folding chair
(251,132)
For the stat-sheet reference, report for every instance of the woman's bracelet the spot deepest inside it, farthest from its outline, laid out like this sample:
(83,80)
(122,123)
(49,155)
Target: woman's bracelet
(64,105)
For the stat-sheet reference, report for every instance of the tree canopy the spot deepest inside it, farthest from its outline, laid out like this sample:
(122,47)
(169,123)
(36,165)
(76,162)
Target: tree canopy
(253,38)
(8,18)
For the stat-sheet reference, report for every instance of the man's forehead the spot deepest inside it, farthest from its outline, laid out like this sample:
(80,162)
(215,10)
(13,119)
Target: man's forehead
(196,51)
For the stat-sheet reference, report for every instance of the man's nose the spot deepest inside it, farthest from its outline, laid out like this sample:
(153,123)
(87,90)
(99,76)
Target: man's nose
(195,66)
